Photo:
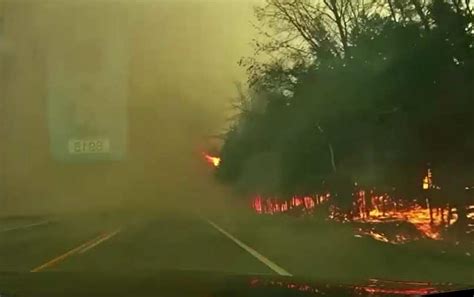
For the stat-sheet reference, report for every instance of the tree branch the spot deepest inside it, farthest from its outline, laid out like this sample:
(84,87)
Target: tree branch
(392,10)
(296,24)
(421,14)
(467,3)
(332,6)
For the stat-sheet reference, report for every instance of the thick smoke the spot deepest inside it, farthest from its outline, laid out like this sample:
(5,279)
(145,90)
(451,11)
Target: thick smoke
(182,61)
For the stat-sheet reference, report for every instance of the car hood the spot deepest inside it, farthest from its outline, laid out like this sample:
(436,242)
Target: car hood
(199,283)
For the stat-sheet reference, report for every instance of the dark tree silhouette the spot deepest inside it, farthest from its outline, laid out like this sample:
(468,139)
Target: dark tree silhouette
(359,91)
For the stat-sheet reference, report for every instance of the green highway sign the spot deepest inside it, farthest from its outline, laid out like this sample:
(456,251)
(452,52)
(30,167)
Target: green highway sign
(87,96)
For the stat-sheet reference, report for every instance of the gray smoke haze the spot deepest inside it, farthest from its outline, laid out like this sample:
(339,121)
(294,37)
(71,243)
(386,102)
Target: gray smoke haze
(182,64)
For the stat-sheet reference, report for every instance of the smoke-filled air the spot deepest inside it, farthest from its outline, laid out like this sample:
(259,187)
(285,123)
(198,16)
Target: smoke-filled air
(159,76)
(236,147)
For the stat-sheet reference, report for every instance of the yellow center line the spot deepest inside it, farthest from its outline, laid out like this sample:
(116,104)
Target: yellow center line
(69,253)
(97,242)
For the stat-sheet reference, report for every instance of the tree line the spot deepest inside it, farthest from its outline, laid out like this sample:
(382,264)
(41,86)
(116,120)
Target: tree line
(367,92)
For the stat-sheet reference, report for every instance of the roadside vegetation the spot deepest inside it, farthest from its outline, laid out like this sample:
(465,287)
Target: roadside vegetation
(347,96)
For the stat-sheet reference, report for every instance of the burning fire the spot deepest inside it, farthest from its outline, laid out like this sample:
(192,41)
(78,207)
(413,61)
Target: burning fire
(428,180)
(214,161)
(271,206)
(373,210)
(383,208)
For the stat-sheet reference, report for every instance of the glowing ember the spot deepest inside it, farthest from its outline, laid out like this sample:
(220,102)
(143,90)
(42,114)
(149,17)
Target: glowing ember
(271,206)
(215,161)
(374,211)
(376,236)
(369,210)
(428,180)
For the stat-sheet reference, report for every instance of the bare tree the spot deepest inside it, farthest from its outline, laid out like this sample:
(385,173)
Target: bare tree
(303,27)
(339,9)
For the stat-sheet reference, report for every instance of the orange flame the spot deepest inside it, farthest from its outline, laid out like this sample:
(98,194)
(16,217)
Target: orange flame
(214,161)
(373,209)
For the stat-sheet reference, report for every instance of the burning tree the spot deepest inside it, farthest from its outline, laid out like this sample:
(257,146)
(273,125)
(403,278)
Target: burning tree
(363,92)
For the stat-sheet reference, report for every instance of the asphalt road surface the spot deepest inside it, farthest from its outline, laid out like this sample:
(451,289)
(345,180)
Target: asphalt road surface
(236,244)
(96,243)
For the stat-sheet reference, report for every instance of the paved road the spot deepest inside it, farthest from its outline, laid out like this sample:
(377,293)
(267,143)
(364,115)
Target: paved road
(235,244)
(152,243)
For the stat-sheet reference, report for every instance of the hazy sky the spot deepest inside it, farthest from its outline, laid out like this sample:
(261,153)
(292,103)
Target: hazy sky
(195,45)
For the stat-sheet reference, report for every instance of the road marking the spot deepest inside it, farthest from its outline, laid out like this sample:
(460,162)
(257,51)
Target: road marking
(25,226)
(65,255)
(251,251)
(83,247)
(105,238)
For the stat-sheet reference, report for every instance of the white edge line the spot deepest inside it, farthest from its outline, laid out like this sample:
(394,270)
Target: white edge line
(25,226)
(96,243)
(251,251)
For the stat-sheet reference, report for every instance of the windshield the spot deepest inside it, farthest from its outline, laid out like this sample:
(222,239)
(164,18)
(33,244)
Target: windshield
(326,140)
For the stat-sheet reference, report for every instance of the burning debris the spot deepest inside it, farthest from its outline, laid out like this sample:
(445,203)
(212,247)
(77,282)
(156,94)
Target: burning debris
(271,206)
(214,161)
(390,232)
(378,216)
